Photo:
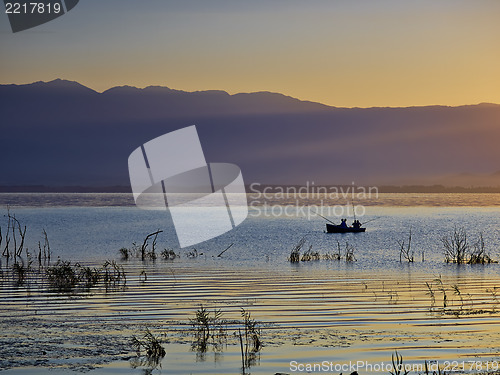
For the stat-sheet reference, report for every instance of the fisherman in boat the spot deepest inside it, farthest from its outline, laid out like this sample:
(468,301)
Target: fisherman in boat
(356,224)
(343,223)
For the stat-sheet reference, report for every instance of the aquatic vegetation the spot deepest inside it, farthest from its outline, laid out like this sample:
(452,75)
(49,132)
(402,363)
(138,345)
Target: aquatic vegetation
(457,249)
(146,251)
(463,303)
(250,342)
(456,246)
(478,253)
(405,251)
(193,254)
(209,330)
(65,277)
(112,274)
(442,288)
(169,254)
(14,238)
(346,253)
(333,255)
(393,297)
(398,367)
(458,293)
(295,253)
(125,253)
(62,276)
(252,332)
(152,348)
(431,294)
(223,251)
(44,253)
(427,370)
(493,293)
(19,272)
(310,255)
(349,253)
(88,276)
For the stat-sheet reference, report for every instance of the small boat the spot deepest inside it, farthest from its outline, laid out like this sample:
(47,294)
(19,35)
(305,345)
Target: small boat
(331,228)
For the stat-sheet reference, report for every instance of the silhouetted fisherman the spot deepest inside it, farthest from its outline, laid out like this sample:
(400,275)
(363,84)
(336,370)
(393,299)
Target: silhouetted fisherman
(356,224)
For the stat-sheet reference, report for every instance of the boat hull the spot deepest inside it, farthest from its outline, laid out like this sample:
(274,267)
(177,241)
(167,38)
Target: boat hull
(330,228)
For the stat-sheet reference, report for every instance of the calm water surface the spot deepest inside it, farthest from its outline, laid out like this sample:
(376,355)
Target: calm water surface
(313,311)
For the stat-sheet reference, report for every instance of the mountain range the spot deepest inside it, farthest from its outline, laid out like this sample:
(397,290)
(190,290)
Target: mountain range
(61,133)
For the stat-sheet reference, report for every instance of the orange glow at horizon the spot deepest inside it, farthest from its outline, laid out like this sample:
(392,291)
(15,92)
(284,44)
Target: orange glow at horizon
(361,54)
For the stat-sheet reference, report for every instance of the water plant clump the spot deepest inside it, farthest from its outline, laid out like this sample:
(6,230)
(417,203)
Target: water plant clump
(453,300)
(112,274)
(169,254)
(125,253)
(149,350)
(252,331)
(62,276)
(310,255)
(145,251)
(349,253)
(66,277)
(478,253)
(250,340)
(398,367)
(19,273)
(88,276)
(346,253)
(295,253)
(209,330)
(457,249)
(405,251)
(14,239)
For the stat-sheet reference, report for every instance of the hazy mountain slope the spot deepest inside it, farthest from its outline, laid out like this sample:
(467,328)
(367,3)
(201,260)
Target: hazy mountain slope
(62,133)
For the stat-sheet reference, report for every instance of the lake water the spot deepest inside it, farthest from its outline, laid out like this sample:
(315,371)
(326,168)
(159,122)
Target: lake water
(325,310)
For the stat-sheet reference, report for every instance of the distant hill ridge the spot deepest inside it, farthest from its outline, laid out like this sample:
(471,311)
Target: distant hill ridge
(61,133)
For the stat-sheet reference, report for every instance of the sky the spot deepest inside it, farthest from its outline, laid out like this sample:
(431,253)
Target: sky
(386,53)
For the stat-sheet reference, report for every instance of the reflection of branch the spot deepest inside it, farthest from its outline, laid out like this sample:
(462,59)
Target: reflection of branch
(242,352)
(227,248)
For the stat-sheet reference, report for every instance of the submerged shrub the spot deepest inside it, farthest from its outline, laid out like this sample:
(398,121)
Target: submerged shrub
(295,253)
(310,255)
(62,276)
(125,253)
(169,254)
(457,249)
(208,329)
(19,272)
(152,348)
(456,246)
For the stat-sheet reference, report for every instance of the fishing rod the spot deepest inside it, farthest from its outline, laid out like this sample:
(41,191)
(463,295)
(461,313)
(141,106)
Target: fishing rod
(369,221)
(325,218)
